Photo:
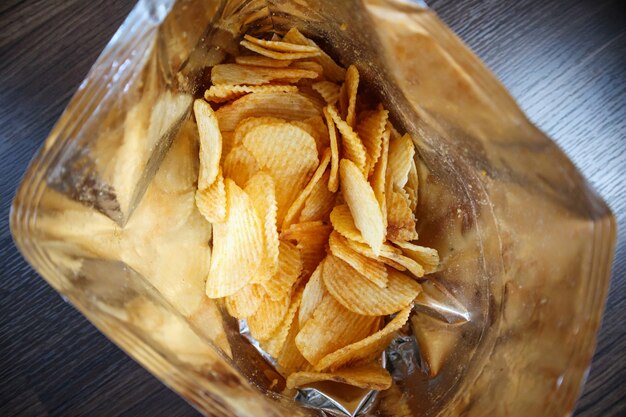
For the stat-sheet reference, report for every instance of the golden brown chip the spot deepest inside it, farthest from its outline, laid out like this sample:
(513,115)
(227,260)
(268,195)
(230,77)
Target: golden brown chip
(210,143)
(363,205)
(211,202)
(275,54)
(362,296)
(296,207)
(238,245)
(234,74)
(378,177)
(275,344)
(245,302)
(261,190)
(311,239)
(225,92)
(281,46)
(391,256)
(400,218)
(372,377)
(328,90)
(333,179)
(268,317)
(250,123)
(315,127)
(351,146)
(371,131)
(370,268)
(343,223)
(309,66)
(290,359)
(330,328)
(312,295)
(367,349)
(427,257)
(347,96)
(320,203)
(412,186)
(289,269)
(240,165)
(332,71)
(262,61)
(289,106)
(401,153)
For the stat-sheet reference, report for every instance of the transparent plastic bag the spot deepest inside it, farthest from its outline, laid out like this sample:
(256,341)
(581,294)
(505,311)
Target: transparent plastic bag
(507,325)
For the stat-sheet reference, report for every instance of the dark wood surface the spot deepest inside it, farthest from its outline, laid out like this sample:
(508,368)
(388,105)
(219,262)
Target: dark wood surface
(563,60)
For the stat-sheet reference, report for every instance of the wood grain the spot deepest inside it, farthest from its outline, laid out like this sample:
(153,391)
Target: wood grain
(564,61)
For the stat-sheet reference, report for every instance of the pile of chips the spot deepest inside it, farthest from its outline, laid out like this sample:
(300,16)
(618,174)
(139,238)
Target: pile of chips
(311,194)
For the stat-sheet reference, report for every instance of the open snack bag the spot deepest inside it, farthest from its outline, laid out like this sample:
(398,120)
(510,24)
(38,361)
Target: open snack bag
(294,207)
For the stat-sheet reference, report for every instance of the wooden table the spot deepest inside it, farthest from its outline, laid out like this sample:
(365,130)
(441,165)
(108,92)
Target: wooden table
(563,60)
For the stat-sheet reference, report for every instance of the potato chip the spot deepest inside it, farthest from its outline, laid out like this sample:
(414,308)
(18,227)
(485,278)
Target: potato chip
(281,46)
(363,205)
(261,190)
(400,218)
(298,204)
(233,74)
(368,267)
(211,202)
(240,165)
(275,54)
(371,131)
(360,295)
(274,345)
(367,349)
(237,245)
(347,96)
(315,127)
(245,302)
(290,359)
(389,255)
(427,257)
(320,203)
(289,106)
(331,70)
(210,143)
(226,92)
(311,239)
(262,61)
(436,341)
(289,269)
(378,177)
(371,377)
(312,295)
(333,179)
(401,153)
(250,123)
(268,317)
(330,328)
(351,146)
(309,66)
(291,167)
(328,90)
(342,222)
(412,186)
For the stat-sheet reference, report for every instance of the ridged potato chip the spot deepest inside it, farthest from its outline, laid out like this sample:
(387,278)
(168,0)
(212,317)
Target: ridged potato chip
(309,66)
(362,296)
(211,202)
(292,167)
(436,341)
(289,106)
(333,179)
(330,328)
(225,92)
(371,131)
(210,143)
(367,349)
(275,344)
(246,125)
(262,61)
(401,153)
(370,268)
(240,165)
(343,223)
(233,74)
(311,239)
(363,205)
(275,54)
(391,256)
(281,46)
(245,302)
(347,96)
(331,70)
(238,245)
(315,127)
(351,146)
(378,177)
(268,317)
(400,218)
(426,257)
(328,90)
(412,186)
(261,190)
(296,207)
(320,203)
(312,295)
(290,359)
(372,377)
(289,269)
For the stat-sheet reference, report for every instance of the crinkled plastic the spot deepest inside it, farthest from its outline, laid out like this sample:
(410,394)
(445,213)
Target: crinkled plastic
(506,327)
